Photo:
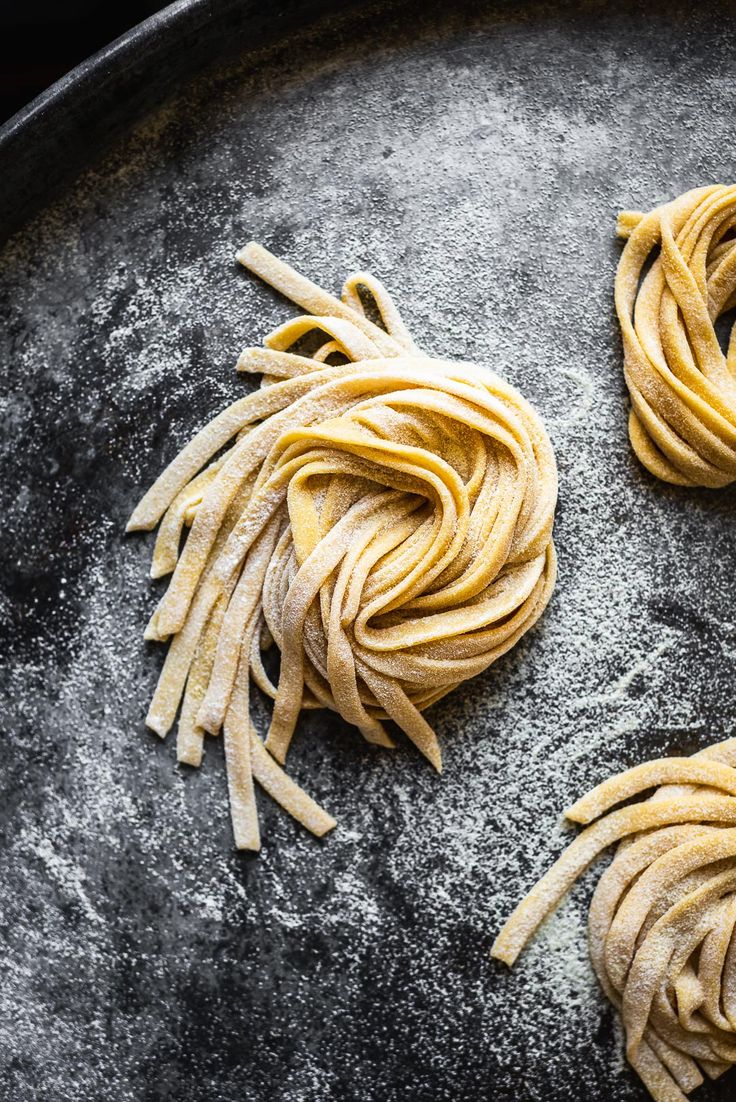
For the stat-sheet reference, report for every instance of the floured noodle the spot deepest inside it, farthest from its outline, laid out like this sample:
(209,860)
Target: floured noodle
(682,422)
(385,520)
(662,924)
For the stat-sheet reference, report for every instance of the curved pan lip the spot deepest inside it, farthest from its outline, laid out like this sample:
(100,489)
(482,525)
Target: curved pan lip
(48,143)
(82,82)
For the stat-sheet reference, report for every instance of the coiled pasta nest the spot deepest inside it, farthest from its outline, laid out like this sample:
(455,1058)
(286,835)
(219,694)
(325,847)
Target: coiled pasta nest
(682,423)
(385,520)
(662,923)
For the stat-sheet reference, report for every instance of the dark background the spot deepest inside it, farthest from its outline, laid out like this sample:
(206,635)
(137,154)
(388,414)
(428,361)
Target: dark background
(40,40)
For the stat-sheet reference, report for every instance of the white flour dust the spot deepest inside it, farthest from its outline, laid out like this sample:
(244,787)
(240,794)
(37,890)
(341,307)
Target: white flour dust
(357,967)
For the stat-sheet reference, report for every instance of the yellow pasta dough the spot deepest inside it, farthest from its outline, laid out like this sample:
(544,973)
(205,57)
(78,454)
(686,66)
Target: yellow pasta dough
(682,423)
(385,520)
(662,923)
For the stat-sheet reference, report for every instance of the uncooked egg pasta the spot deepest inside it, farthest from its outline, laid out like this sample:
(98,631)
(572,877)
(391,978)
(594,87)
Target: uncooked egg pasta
(682,385)
(662,923)
(385,520)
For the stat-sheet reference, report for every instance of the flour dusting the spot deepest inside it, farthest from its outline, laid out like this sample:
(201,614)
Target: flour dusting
(463,165)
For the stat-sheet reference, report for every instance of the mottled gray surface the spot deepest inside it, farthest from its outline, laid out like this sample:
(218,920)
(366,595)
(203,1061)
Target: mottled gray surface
(476,163)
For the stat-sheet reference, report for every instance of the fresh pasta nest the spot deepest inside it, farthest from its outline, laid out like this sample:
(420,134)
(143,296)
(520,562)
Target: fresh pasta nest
(385,520)
(662,923)
(682,423)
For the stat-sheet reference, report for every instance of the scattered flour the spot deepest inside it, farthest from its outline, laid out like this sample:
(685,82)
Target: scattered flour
(144,958)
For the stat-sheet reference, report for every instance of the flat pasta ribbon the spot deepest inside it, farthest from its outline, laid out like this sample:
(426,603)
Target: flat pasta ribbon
(682,423)
(385,520)
(662,923)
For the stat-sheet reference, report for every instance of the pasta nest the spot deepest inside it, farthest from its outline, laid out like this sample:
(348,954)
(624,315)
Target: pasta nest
(386,520)
(682,423)
(662,923)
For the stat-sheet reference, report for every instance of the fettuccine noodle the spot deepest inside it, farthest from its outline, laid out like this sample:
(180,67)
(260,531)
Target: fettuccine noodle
(662,923)
(682,423)
(385,520)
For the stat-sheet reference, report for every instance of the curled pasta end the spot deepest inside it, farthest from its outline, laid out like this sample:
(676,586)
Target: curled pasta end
(627,222)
